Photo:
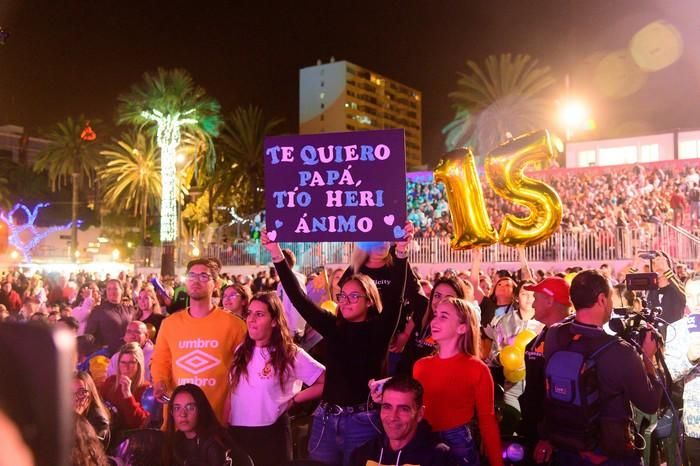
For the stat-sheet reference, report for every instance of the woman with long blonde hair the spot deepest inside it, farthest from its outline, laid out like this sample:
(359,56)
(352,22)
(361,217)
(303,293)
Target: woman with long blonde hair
(458,385)
(124,389)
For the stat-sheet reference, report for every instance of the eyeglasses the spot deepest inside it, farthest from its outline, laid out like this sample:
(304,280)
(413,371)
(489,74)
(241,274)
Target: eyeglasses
(80,394)
(232,295)
(189,408)
(352,298)
(202,277)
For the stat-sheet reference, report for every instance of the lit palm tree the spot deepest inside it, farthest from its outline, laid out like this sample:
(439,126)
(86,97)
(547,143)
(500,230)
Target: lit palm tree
(173,103)
(240,150)
(70,155)
(131,176)
(507,96)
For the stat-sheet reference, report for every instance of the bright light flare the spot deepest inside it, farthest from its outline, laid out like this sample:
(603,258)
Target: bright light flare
(573,114)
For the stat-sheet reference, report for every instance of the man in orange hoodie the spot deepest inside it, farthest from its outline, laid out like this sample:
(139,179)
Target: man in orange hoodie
(196,346)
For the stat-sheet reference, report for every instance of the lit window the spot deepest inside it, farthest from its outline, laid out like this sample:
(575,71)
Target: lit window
(649,153)
(586,158)
(688,149)
(618,155)
(322,95)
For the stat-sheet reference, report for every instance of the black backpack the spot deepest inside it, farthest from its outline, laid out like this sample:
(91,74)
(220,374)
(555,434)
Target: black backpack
(572,400)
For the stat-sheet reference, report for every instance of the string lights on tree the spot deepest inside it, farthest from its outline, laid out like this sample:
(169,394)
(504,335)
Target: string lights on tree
(24,237)
(168,139)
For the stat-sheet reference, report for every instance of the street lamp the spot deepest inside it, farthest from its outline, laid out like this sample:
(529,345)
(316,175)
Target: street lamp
(574,116)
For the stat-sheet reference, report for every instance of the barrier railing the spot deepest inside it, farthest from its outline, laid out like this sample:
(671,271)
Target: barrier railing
(601,245)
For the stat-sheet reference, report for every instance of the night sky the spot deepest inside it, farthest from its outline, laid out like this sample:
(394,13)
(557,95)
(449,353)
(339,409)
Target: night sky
(75,56)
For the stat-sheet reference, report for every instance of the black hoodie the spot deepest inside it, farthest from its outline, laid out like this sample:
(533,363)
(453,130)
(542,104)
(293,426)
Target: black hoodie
(422,450)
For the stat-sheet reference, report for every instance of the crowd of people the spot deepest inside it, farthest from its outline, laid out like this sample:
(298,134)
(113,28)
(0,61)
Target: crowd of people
(228,368)
(595,200)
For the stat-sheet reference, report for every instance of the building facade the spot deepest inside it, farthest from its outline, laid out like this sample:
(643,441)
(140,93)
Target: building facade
(341,96)
(677,145)
(17,146)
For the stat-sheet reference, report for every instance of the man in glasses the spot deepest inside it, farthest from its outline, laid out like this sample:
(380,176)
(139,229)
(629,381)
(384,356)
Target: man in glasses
(136,332)
(196,346)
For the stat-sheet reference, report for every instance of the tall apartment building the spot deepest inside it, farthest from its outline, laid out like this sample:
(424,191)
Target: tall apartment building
(17,146)
(341,96)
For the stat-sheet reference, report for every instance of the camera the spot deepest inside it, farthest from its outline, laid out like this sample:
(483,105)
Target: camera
(633,326)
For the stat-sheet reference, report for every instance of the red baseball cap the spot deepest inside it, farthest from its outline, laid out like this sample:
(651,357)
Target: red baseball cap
(556,287)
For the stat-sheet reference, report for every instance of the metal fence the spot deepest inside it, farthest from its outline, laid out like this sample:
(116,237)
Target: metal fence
(620,244)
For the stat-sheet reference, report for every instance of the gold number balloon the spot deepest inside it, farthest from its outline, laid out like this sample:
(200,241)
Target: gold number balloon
(504,168)
(466,200)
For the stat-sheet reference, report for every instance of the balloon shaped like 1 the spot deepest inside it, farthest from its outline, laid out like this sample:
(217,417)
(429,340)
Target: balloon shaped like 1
(514,376)
(504,171)
(512,358)
(329,306)
(523,338)
(465,198)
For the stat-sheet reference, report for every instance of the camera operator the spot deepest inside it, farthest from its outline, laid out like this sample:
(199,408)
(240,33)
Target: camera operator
(601,433)
(670,295)
(683,358)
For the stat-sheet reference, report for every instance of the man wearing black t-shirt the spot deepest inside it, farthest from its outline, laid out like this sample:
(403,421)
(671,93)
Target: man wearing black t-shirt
(551,306)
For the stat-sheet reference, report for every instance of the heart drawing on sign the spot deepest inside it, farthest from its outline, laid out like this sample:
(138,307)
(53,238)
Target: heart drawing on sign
(278,223)
(389,219)
(272,235)
(398,232)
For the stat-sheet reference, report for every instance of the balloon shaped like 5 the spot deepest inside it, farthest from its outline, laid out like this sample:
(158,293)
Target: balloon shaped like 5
(504,168)
(512,358)
(472,227)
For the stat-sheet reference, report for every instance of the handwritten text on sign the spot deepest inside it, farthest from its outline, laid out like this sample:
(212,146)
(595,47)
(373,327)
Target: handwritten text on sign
(336,186)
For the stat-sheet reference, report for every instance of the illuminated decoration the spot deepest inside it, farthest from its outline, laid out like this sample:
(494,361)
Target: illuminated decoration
(235,218)
(168,139)
(19,232)
(88,134)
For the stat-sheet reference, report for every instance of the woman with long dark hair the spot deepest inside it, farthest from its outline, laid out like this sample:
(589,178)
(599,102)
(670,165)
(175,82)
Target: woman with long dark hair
(193,435)
(87,448)
(266,377)
(87,402)
(357,339)
(235,299)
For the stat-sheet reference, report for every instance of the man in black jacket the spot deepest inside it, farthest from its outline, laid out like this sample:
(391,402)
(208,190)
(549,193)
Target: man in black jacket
(407,439)
(108,321)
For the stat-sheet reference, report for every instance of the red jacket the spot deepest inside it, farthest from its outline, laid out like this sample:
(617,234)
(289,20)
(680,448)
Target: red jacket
(130,413)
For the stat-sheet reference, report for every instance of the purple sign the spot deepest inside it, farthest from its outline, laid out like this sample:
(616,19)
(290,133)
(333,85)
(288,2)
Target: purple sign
(336,186)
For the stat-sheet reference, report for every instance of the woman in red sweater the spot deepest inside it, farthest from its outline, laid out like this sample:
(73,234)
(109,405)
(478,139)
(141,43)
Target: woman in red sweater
(124,390)
(459,385)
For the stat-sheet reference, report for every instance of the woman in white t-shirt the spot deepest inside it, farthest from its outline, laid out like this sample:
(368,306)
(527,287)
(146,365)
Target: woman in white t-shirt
(266,379)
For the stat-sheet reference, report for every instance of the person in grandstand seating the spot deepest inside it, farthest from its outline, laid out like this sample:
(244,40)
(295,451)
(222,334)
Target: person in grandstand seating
(148,309)
(623,378)
(108,321)
(136,332)
(266,380)
(421,343)
(357,340)
(193,433)
(235,299)
(197,344)
(87,402)
(406,438)
(458,385)
(124,389)
(377,262)
(551,305)
(10,298)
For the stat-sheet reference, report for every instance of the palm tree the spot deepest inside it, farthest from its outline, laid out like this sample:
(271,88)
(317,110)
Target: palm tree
(171,100)
(240,149)
(70,155)
(507,96)
(131,176)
